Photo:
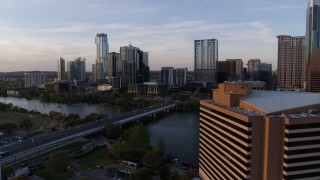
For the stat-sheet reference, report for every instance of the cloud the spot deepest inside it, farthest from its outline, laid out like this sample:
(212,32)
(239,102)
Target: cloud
(275,8)
(169,44)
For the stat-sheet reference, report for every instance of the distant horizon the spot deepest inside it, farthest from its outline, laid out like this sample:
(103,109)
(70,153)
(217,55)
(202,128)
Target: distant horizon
(35,33)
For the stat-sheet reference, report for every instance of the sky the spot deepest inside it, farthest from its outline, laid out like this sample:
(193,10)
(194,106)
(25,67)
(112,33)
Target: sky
(35,33)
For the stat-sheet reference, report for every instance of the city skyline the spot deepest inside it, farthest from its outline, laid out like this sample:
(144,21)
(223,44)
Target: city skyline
(39,32)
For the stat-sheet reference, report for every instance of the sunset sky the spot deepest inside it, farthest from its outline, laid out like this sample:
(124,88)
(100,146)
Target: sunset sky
(34,33)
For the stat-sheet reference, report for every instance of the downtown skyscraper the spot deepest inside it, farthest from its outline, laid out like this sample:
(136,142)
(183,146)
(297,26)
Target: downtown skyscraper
(205,61)
(61,71)
(291,62)
(313,28)
(77,69)
(100,68)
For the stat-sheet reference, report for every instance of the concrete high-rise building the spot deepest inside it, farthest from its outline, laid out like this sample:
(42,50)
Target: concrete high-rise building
(77,69)
(291,62)
(237,69)
(251,64)
(167,75)
(180,76)
(61,73)
(33,79)
(313,28)
(267,135)
(314,73)
(102,52)
(205,60)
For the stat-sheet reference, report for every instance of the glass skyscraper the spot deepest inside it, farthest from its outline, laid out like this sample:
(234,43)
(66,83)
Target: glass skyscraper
(102,56)
(61,73)
(205,60)
(313,28)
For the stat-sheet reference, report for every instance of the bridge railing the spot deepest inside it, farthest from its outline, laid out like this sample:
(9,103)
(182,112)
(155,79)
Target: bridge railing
(45,148)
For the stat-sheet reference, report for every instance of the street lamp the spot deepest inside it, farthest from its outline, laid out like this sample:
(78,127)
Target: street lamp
(32,144)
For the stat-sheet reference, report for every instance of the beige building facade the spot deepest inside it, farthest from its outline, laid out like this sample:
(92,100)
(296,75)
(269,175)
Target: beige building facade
(267,135)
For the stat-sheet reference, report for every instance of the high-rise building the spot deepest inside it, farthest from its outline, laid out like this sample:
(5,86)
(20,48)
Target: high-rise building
(291,62)
(167,75)
(180,76)
(102,56)
(248,134)
(314,73)
(251,64)
(205,60)
(33,79)
(77,69)
(113,59)
(313,28)
(134,66)
(61,73)
(262,72)
(236,66)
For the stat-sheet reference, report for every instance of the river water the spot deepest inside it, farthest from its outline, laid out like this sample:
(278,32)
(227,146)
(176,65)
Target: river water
(180,131)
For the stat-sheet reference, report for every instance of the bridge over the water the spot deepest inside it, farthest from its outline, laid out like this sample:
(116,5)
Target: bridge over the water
(45,143)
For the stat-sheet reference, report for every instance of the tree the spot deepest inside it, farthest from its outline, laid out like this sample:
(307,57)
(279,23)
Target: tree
(152,159)
(112,131)
(55,115)
(160,149)
(186,175)
(59,161)
(21,177)
(139,137)
(26,124)
(173,176)
(142,173)
(9,128)
(91,117)
(6,172)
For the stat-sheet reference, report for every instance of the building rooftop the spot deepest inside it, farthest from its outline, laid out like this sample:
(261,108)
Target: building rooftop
(275,101)
(235,109)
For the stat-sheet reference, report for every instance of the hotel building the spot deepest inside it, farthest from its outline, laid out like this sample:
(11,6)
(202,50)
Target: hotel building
(267,135)
(291,62)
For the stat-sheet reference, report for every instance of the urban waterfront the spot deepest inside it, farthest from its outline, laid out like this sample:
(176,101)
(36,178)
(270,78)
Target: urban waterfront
(180,131)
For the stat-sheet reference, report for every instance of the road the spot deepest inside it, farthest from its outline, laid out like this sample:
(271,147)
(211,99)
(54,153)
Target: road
(50,137)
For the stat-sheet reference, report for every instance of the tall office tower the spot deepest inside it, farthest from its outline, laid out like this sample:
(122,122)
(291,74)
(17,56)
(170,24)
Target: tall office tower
(180,76)
(146,71)
(113,59)
(251,64)
(146,58)
(61,73)
(205,60)
(263,72)
(33,79)
(133,64)
(102,56)
(314,73)
(268,135)
(291,62)
(313,28)
(167,75)
(77,69)
(236,66)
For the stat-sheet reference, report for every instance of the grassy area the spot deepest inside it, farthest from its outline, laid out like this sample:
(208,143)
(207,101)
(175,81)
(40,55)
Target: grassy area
(92,158)
(16,117)
(46,174)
